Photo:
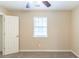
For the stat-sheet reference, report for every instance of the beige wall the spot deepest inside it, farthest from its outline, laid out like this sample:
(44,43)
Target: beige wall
(75,30)
(58,30)
(63,30)
(3,11)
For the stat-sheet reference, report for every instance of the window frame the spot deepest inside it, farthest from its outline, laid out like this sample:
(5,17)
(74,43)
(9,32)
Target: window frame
(41,36)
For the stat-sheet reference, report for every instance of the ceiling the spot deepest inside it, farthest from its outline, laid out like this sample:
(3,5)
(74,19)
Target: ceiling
(38,5)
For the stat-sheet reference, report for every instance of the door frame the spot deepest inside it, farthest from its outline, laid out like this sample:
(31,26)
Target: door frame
(2,33)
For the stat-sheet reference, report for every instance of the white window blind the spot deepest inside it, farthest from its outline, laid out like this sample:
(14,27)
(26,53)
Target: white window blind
(40,27)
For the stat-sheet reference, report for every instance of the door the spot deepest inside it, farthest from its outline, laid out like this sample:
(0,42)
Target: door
(11,35)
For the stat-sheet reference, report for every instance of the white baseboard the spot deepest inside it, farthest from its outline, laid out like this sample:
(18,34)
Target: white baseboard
(45,50)
(50,51)
(75,53)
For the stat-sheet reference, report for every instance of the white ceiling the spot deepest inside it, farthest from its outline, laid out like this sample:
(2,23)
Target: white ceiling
(55,5)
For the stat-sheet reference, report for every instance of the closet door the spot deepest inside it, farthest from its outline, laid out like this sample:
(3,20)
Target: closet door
(11,35)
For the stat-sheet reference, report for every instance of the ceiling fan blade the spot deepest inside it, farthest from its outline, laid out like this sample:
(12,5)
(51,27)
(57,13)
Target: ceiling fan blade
(27,5)
(46,3)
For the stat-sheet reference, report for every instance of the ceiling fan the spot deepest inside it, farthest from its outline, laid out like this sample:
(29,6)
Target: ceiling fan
(46,3)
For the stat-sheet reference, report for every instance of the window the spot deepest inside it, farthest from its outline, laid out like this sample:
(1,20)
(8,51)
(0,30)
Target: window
(40,27)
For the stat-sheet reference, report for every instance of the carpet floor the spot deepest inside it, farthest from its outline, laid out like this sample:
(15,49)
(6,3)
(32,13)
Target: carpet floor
(40,55)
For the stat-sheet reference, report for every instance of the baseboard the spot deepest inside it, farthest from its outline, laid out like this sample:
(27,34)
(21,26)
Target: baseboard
(50,51)
(45,50)
(75,53)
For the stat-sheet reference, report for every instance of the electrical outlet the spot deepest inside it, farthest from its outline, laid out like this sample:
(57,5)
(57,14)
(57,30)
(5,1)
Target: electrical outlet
(39,45)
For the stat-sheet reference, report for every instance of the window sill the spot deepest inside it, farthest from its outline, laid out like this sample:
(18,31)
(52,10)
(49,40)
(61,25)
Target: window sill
(40,36)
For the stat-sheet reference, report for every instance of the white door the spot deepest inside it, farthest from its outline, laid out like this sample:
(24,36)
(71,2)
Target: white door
(11,35)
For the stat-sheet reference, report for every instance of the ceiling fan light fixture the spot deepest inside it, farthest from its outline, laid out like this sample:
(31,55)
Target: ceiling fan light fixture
(46,3)
(27,6)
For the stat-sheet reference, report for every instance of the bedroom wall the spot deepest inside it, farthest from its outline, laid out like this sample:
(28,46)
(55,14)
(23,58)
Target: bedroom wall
(75,31)
(58,30)
(3,11)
